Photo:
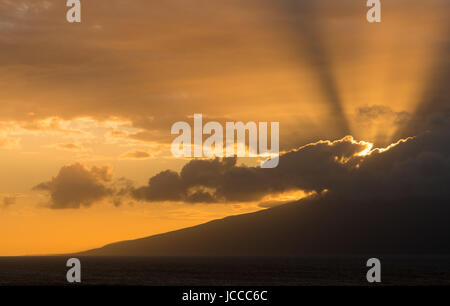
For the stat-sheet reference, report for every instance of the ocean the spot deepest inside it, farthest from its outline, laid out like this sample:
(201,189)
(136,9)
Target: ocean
(249,271)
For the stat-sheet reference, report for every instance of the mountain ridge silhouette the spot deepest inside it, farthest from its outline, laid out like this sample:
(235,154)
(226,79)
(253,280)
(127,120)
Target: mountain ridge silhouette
(319,225)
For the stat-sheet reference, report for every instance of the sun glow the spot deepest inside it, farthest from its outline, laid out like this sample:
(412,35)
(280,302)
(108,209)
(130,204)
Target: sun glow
(369,147)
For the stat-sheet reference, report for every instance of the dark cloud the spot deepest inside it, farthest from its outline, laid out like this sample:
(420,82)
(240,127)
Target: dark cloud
(197,182)
(165,186)
(221,180)
(414,167)
(77,185)
(344,171)
(417,166)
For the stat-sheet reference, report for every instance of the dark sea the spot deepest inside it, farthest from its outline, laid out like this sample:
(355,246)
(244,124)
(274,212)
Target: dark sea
(260,271)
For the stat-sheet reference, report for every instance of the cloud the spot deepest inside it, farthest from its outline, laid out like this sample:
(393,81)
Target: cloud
(259,60)
(221,180)
(23,7)
(68,147)
(8,201)
(136,155)
(418,166)
(381,112)
(77,185)
(270,204)
(345,168)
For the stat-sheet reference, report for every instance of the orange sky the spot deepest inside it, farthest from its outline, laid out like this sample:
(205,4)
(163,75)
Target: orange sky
(96,93)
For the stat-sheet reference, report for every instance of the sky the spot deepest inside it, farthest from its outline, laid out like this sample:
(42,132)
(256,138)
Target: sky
(86,109)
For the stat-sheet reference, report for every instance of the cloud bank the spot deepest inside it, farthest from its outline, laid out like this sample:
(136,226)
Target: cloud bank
(416,166)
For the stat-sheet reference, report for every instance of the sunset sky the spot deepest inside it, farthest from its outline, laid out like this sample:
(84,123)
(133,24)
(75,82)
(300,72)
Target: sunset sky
(86,109)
